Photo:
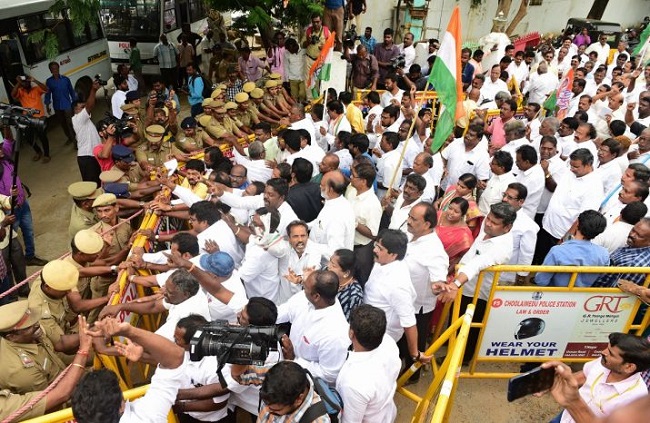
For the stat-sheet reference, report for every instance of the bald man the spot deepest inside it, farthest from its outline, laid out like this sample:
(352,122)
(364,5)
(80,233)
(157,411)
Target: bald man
(330,163)
(335,224)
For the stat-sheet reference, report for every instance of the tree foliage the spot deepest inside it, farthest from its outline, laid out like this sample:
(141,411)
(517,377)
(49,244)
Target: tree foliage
(269,15)
(80,13)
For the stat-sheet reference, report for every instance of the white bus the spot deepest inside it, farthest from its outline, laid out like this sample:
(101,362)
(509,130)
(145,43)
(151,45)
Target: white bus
(145,20)
(83,55)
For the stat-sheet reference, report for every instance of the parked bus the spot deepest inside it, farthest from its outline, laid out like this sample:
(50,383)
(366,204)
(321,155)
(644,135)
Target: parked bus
(145,20)
(79,55)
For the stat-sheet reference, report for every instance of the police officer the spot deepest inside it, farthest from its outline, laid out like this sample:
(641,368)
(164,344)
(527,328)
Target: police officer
(106,208)
(29,358)
(157,152)
(47,298)
(191,141)
(11,402)
(247,114)
(124,160)
(82,216)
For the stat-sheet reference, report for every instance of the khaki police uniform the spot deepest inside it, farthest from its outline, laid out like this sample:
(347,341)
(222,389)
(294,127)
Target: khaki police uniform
(25,367)
(80,218)
(10,403)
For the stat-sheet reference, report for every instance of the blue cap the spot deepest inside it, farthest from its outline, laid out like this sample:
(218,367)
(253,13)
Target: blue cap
(219,263)
(188,122)
(132,95)
(122,153)
(120,190)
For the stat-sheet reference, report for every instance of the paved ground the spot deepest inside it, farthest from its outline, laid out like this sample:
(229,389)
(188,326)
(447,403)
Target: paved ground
(476,400)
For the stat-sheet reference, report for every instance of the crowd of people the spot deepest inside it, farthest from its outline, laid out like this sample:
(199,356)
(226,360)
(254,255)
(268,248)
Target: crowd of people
(337,218)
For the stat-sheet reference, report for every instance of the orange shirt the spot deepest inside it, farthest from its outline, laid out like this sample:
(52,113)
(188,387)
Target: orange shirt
(32,99)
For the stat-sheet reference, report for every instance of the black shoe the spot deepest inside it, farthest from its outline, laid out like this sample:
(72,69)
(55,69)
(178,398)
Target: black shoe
(35,261)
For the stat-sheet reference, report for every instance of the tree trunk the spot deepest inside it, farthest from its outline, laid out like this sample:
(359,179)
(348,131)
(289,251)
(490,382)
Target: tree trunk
(502,6)
(521,13)
(266,34)
(597,9)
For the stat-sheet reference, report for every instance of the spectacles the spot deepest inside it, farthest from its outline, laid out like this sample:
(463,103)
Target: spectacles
(509,197)
(237,176)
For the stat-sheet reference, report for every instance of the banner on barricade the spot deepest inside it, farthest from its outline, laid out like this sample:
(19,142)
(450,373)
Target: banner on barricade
(130,294)
(544,324)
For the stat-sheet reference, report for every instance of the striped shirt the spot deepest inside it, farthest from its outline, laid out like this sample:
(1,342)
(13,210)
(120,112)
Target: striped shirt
(627,257)
(350,298)
(166,55)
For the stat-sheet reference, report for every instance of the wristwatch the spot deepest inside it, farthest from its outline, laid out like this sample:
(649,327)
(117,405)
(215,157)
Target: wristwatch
(113,269)
(457,283)
(416,357)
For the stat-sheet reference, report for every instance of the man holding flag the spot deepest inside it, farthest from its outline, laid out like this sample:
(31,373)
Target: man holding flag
(316,38)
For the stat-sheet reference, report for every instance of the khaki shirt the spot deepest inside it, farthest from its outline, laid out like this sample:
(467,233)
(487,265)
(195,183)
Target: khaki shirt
(28,367)
(190,144)
(10,403)
(247,117)
(229,124)
(80,219)
(154,158)
(53,311)
(121,236)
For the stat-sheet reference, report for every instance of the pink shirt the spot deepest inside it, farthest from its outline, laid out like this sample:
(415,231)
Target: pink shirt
(498,138)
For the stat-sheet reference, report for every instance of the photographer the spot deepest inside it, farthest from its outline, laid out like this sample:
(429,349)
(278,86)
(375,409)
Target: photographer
(87,136)
(365,69)
(315,37)
(161,94)
(30,98)
(119,96)
(102,152)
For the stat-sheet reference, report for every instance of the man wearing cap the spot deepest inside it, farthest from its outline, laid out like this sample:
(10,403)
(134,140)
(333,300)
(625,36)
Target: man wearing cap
(87,136)
(273,101)
(220,115)
(247,114)
(82,216)
(50,400)
(119,96)
(116,182)
(106,209)
(164,116)
(257,97)
(190,142)
(233,114)
(124,160)
(157,152)
(47,298)
(29,357)
(250,66)
(85,249)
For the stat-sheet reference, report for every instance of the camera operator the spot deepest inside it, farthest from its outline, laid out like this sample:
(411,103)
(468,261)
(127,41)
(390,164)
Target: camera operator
(365,69)
(99,394)
(102,152)
(407,49)
(161,94)
(384,53)
(30,97)
(87,136)
(119,96)
(164,116)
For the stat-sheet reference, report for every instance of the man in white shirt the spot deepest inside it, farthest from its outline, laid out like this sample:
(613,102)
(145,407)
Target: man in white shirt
(576,192)
(367,214)
(584,137)
(493,84)
(465,155)
(428,263)
(492,246)
(554,170)
(531,175)
(601,47)
(297,257)
(390,163)
(319,332)
(368,378)
(518,68)
(334,226)
(392,95)
(608,168)
(407,50)
(119,96)
(98,393)
(540,85)
(337,122)
(616,234)
(87,136)
(206,222)
(422,165)
(373,102)
(389,288)
(613,111)
(299,120)
(254,162)
(501,168)
(524,234)
(409,197)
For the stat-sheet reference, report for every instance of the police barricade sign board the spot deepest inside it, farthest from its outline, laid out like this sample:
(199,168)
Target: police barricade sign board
(553,324)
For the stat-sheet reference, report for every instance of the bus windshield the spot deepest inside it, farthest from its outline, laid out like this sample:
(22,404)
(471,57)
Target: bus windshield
(139,19)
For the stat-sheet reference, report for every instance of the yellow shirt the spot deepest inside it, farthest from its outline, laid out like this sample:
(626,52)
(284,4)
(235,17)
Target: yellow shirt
(200,189)
(355,117)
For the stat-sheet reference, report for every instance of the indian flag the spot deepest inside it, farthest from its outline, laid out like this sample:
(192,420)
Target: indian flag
(322,66)
(446,79)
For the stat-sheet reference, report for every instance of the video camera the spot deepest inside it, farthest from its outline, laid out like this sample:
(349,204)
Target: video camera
(122,128)
(100,81)
(397,62)
(350,36)
(12,115)
(234,344)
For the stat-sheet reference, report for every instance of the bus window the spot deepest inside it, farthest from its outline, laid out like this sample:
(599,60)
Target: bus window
(59,26)
(92,32)
(169,18)
(34,52)
(139,19)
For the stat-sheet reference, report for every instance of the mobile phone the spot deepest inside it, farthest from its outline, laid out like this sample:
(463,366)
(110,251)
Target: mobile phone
(536,380)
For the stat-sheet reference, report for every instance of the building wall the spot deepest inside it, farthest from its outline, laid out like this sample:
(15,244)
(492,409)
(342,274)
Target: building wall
(551,16)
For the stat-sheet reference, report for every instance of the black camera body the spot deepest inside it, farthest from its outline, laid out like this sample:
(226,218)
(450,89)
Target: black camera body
(315,39)
(100,81)
(351,34)
(122,128)
(234,344)
(12,115)
(397,62)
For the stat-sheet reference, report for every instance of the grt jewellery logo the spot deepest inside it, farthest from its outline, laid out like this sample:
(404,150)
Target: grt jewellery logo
(606,303)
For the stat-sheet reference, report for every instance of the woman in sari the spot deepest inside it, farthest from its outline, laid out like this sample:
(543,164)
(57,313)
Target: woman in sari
(464,188)
(350,293)
(453,231)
